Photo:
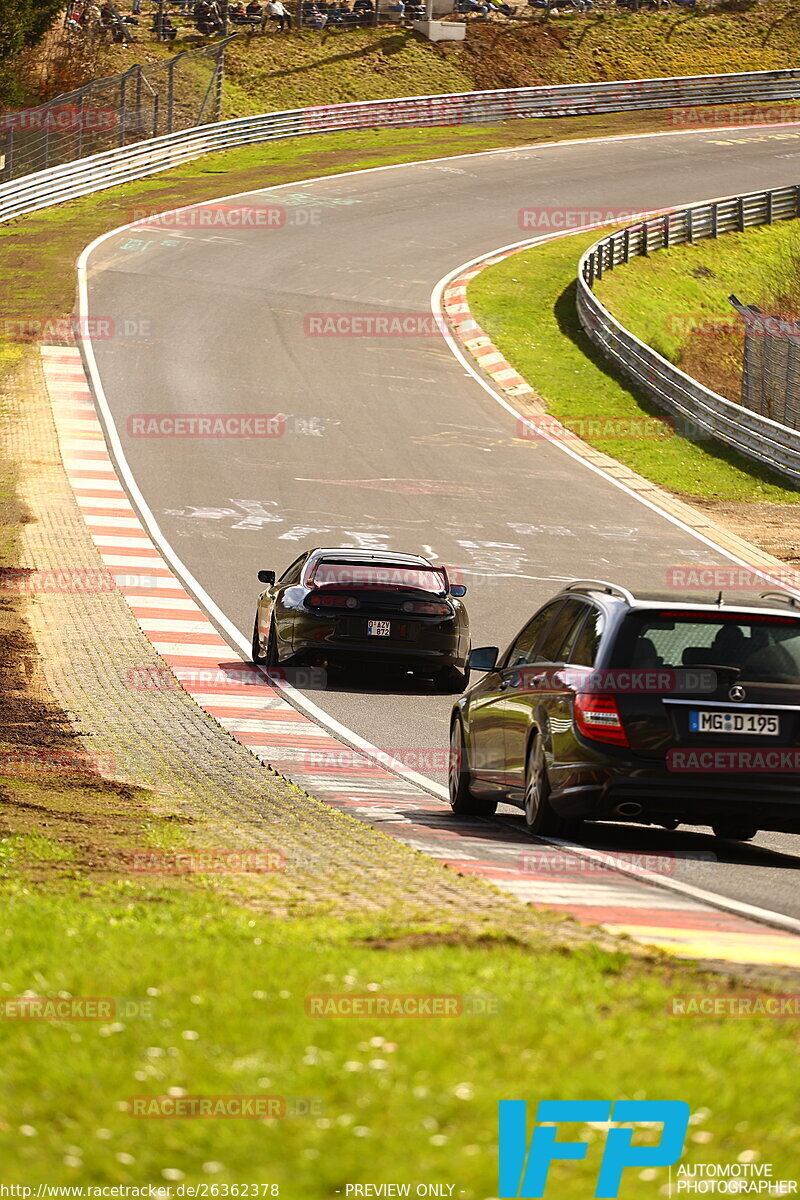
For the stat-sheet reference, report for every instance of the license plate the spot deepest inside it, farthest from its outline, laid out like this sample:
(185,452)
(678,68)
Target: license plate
(734,722)
(379,628)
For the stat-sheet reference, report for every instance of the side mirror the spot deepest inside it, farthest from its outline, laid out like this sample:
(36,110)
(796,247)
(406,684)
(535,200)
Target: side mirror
(266,576)
(483,658)
(458,589)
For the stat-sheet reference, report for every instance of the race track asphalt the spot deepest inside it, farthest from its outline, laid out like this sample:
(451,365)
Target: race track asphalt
(388,440)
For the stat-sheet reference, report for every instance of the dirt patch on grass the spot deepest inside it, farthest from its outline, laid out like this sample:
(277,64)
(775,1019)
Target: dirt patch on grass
(420,941)
(774,528)
(69,827)
(32,726)
(50,788)
(716,360)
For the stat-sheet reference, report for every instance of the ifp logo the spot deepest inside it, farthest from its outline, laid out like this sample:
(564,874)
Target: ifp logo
(524,1168)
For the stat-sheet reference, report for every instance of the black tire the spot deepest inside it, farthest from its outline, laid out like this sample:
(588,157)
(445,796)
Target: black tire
(451,680)
(272,658)
(540,816)
(255,648)
(735,833)
(462,801)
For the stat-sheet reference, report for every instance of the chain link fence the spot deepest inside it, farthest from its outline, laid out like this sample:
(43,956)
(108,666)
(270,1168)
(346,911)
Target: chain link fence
(756,432)
(771,367)
(143,102)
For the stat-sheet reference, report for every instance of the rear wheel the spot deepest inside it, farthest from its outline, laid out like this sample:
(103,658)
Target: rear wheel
(255,652)
(735,833)
(271,658)
(540,816)
(459,779)
(451,680)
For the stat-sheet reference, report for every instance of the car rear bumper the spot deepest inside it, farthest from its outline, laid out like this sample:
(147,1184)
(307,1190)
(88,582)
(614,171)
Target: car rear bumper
(644,794)
(410,655)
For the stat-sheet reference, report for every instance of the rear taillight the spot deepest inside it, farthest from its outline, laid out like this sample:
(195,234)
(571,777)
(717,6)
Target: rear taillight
(597,717)
(434,608)
(323,600)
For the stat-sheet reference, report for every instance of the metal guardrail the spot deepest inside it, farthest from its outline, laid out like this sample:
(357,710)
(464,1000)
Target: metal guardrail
(57,184)
(720,417)
(698,410)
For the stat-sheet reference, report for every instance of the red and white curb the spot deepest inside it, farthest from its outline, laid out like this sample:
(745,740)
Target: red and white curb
(474,339)
(241,698)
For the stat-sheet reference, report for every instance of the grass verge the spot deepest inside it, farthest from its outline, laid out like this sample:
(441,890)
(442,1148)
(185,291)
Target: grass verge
(274,72)
(527,306)
(217,1005)
(303,68)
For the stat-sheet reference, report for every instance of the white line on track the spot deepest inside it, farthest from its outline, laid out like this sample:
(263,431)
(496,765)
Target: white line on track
(239,640)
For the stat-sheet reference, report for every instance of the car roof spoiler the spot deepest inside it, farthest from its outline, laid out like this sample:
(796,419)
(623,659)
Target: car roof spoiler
(599,585)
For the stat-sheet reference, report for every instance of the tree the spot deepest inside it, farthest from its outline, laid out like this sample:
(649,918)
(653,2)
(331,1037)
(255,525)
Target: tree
(24,22)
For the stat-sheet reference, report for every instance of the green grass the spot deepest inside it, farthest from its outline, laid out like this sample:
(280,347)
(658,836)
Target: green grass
(677,300)
(527,305)
(275,73)
(272,72)
(35,846)
(396,1099)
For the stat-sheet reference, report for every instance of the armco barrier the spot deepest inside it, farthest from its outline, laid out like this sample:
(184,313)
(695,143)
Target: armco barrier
(750,433)
(112,167)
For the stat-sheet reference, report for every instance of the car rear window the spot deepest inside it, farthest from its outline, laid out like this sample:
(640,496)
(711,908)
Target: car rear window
(759,648)
(330,573)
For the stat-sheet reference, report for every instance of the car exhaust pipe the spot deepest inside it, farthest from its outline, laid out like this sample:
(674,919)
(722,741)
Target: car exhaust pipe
(629,808)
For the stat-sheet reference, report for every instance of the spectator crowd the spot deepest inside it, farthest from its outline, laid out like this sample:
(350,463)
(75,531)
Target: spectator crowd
(102,17)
